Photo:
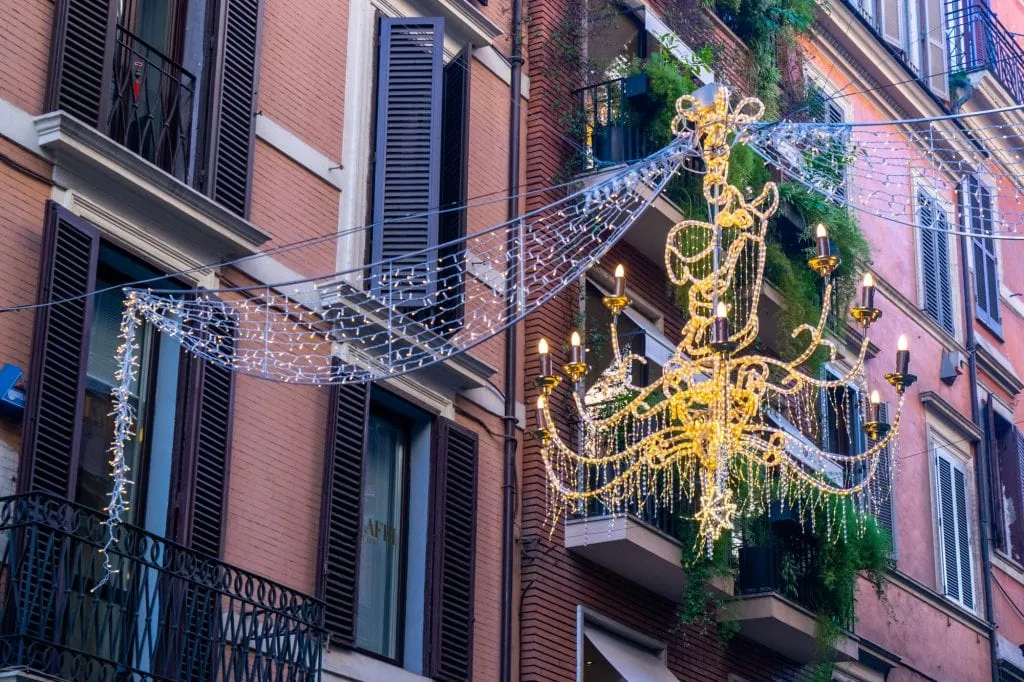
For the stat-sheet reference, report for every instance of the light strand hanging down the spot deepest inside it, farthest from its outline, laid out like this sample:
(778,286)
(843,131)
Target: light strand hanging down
(723,428)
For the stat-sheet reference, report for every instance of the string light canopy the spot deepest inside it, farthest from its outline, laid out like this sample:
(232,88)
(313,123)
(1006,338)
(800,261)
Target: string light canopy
(391,317)
(723,427)
(880,168)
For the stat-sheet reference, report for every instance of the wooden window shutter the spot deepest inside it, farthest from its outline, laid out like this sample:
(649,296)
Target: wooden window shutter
(947,527)
(450,308)
(451,553)
(935,267)
(81,63)
(978,207)
(958,572)
(890,18)
(406,181)
(60,350)
(206,449)
(232,110)
(885,485)
(1009,493)
(340,512)
(935,47)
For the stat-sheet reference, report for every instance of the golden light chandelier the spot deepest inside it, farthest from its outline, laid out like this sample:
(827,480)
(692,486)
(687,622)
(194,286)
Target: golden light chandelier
(723,428)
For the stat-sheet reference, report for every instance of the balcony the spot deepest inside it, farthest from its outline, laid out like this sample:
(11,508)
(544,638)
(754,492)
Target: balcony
(641,547)
(978,41)
(610,115)
(151,104)
(777,590)
(170,613)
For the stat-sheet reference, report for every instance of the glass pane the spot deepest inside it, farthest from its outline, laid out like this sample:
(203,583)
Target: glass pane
(93,485)
(613,39)
(383,531)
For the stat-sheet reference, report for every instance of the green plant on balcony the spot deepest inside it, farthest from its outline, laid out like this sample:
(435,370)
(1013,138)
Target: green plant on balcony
(770,28)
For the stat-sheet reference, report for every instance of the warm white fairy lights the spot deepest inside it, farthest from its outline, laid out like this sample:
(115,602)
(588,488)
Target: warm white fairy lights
(723,427)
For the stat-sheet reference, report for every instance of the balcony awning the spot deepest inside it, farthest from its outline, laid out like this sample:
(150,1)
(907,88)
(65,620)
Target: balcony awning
(632,662)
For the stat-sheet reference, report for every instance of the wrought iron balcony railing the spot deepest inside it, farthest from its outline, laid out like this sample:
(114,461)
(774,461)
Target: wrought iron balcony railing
(171,614)
(979,41)
(151,105)
(784,561)
(611,127)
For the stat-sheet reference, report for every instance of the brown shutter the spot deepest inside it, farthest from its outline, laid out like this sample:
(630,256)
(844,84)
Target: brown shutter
(81,62)
(201,489)
(406,178)
(232,111)
(449,604)
(890,22)
(935,63)
(1009,493)
(60,350)
(340,514)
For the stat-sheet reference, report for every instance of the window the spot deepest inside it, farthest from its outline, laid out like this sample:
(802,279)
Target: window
(1006,443)
(842,429)
(830,168)
(953,516)
(398,532)
(383,540)
(420,163)
(936,284)
(154,399)
(136,70)
(977,216)
(916,30)
(615,35)
(610,652)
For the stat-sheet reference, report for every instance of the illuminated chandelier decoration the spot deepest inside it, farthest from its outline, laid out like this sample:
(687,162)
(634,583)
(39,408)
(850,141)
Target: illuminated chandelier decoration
(723,427)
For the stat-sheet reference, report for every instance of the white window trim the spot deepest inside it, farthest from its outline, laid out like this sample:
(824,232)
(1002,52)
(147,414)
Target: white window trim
(586,616)
(920,182)
(650,327)
(938,437)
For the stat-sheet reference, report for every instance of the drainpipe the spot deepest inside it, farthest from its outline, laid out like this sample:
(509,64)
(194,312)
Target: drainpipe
(981,469)
(508,545)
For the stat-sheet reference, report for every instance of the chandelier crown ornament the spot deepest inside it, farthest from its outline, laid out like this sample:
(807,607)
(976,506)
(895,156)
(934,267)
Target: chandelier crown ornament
(724,430)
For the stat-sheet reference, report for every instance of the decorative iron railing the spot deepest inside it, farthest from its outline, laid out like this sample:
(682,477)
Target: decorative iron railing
(785,560)
(611,125)
(171,614)
(979,41)
(151,105)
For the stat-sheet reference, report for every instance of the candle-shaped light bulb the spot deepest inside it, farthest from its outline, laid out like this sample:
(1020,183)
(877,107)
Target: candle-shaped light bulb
(720,329)
(620,280)
(545,358)
(542,417)
(867,292)
(874,402)
(576,350)
(902,355)
(874,398)
(824,247)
